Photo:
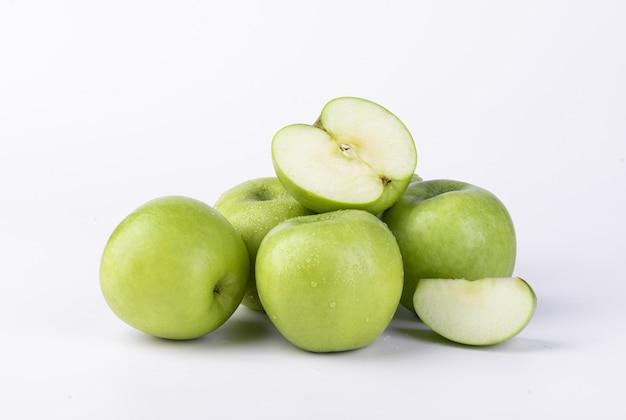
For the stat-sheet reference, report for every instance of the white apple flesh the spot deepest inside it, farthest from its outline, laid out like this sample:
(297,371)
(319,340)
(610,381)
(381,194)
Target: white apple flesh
(475,312)
(357,155)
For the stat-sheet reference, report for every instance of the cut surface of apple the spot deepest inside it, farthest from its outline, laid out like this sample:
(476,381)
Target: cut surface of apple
(357,155)
(475,312)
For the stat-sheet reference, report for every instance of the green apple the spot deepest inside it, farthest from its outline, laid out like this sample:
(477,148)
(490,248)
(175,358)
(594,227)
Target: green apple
(332,281)
(253,208)
(357,155)
(475,312)
(451,229)
(416,178)
(174,268)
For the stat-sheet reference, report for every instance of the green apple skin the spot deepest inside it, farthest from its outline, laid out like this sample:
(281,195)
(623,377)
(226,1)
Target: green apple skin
(451,229)
(253,208)
(330,282)
(478,312)
(357,155)
(174,268)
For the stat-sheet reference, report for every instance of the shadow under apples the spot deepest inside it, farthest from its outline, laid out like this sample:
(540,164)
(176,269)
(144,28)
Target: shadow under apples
(409,324)
(242,331)
(244,328)
(513,345)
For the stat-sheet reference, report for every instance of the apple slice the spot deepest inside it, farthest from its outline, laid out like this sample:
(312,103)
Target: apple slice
(475,312)
(357,155)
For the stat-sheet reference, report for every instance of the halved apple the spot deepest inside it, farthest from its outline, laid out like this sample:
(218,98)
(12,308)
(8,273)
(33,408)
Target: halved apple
(357,155)
(475,312)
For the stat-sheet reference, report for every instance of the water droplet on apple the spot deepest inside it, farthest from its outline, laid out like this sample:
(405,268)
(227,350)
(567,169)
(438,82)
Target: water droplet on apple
(313,284)
(332,304)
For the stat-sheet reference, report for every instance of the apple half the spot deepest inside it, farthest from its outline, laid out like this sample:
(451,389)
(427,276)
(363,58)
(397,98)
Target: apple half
(475,312)
(356,155)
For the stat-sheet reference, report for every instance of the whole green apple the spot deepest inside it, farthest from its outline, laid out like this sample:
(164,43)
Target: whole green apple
(451,229)
(331,281)
(253,208)
(357,155)
(174,268)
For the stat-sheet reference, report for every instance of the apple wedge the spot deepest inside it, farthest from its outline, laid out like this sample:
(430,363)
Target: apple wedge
(475,312)
(357,155)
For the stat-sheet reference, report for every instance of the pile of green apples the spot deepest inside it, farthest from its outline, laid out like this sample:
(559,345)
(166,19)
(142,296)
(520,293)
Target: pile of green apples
(327,249)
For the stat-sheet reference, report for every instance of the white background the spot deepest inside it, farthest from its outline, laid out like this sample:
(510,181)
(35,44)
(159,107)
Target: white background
(106,105)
